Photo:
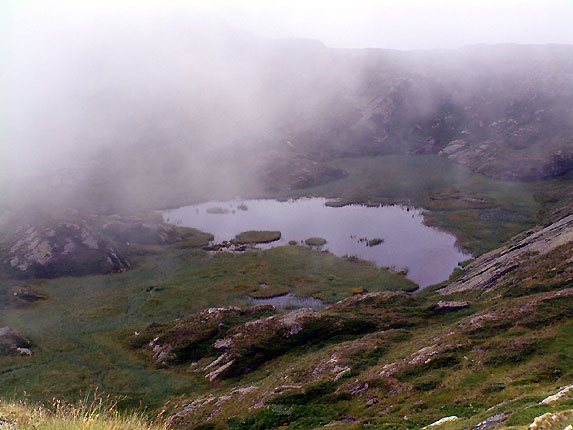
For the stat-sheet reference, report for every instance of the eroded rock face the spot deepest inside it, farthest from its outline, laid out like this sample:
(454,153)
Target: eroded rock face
(486,270)
(248,345)
(186,340)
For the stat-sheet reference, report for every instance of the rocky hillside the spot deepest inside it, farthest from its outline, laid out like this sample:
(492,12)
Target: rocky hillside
(272,114)
(504,111)
(491,350)
(75,244)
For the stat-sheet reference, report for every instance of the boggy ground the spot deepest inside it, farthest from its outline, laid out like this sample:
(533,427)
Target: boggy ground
(388,360)
(78,326)
(177,332)
(482,212)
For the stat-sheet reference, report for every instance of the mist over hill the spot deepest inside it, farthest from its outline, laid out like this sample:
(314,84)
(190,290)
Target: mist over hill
(118,112)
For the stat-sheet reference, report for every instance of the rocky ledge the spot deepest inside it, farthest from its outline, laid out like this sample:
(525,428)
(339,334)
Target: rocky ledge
(487,270)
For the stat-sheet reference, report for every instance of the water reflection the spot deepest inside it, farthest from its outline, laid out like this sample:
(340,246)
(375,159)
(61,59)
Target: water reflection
(428,254)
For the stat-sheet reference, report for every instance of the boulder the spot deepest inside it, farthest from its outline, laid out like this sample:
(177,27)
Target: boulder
(11,342)
(450,306)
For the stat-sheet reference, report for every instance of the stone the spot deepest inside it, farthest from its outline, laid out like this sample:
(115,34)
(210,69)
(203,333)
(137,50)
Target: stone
(486,270)
(450,306)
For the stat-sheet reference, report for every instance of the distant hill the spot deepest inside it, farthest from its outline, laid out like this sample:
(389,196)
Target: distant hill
(216,109)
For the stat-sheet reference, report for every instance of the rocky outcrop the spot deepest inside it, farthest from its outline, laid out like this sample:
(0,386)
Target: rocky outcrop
(11,342)
(190,339)
(485,271)
(62,248)
(296,173)
(492,421)
(441,421)
(450,306)
(75,244)
(564,393)
(247,346)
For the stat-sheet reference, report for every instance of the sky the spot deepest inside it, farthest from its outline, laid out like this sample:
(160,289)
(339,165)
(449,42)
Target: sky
(405,24)
(393,24)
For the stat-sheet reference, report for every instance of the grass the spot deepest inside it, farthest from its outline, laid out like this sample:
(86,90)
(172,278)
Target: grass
(77,333)
(257,236)
(375,242)
(315,241)
(93,415)
(482,212)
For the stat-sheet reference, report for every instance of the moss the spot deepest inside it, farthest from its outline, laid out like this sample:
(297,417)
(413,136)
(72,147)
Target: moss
(257,236)
(375,242)
(315,241)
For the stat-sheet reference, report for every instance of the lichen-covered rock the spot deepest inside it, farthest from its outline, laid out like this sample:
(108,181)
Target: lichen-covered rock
(56,248)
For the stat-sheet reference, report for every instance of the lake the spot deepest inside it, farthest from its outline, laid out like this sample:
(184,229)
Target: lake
(429,254)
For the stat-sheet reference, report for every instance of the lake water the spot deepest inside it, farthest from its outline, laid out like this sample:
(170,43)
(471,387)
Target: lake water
(429,254)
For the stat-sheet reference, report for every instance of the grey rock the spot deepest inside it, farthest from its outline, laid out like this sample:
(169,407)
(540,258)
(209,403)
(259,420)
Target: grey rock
(450,306)
(485,271)
(492,421)
(12,342)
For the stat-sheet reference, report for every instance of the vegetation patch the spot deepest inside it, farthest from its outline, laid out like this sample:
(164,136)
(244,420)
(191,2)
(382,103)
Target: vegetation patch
(217,210)
(90,415)
(256,236)
(375,242)
(315,241)
(269,291)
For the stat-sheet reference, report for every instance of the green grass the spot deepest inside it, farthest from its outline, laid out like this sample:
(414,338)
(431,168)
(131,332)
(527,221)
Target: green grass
(257,236)
(81,416)
(315,241)
(482,212)
(77,334)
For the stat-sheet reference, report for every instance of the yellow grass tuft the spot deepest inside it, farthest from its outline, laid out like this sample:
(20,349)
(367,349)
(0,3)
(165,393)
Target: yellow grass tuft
(94,414)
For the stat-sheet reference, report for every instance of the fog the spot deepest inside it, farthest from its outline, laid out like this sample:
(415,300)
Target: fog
(118,106)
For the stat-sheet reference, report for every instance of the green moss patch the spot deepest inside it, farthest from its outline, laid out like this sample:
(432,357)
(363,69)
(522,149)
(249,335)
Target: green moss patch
(315,241)
(257,236)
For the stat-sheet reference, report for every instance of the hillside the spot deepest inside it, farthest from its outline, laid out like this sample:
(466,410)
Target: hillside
(488,346)
(387,360)
(248,115)
(98,294)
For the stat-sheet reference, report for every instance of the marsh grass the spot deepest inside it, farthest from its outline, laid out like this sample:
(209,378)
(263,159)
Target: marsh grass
(482,212)
(256,236)
(96,413)
(315,241)
(78,334)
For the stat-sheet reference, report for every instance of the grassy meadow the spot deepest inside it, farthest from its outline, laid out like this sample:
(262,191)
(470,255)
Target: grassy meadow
(78,333)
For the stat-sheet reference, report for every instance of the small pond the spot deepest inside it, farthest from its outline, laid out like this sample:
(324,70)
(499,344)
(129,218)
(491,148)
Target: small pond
(429,254)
